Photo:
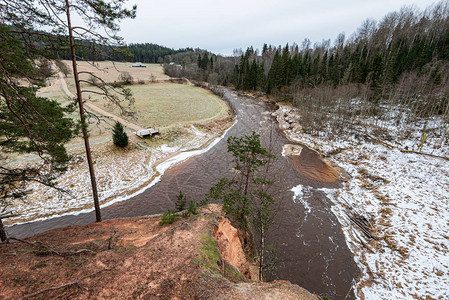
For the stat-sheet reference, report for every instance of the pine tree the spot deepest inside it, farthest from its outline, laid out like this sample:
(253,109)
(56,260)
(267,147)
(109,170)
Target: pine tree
(181,201)
(376,77)
(30,18)
(96,14)
(283,72)
(261,76)
(205,61)
(119,136)
(246,197)
(198,61)
(272,78)
(28,123)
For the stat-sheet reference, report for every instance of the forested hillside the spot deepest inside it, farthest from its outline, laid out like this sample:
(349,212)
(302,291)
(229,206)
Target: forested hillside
(142,52)
(400,61)
(152,53)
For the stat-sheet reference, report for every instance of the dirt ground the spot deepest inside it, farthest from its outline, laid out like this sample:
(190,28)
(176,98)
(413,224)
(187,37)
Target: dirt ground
(133,258)
(322,170)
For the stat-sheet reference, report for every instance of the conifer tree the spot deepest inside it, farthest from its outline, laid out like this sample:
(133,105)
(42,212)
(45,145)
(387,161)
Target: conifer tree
(181,201)
(272,79)
(199,61)
(95,14)
(119,136)
(247,195)
(28,123)
(52,20)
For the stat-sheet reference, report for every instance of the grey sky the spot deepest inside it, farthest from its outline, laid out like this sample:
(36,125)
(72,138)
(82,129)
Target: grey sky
(221,26)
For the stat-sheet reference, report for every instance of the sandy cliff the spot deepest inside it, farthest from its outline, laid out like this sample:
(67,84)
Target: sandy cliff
(137,258)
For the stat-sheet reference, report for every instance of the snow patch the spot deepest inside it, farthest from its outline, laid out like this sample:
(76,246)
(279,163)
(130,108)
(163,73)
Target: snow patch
(116,176)
(405,198)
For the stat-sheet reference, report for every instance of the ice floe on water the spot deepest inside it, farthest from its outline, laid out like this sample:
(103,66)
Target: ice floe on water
(298,197)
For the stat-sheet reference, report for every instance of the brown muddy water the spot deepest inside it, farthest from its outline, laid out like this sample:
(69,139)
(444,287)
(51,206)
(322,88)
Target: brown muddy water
(307,235)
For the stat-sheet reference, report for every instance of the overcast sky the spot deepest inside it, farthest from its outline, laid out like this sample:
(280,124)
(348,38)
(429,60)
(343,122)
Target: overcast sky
(223,25)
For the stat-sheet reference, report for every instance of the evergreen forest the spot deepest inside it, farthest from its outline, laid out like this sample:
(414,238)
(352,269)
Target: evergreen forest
(400,61)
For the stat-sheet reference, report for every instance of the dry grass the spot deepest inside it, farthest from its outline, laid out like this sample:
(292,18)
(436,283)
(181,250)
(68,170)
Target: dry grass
(157,105)
(110,71)
(164,104)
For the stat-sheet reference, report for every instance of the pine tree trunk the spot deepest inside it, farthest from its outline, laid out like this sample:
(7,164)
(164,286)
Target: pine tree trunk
(82,116)
(262,250)
(3,236)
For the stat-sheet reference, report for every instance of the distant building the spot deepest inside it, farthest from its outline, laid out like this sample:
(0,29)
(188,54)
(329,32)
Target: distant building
(173,64)
(139,65)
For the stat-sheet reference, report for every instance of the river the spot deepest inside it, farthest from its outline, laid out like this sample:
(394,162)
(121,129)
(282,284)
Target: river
(307,235)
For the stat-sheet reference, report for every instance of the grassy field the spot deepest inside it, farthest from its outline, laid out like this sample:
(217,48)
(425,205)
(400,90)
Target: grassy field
(157,105)
(165,104)
(170,107)
(110,71)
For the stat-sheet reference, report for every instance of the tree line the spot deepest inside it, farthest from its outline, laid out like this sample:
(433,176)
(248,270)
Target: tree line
(402,61)
(141,52)
(377,56)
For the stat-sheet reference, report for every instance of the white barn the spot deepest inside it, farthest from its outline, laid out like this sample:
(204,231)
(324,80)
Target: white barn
(139,65)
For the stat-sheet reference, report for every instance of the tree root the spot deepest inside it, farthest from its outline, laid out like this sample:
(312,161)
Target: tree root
(60,286)
(47,250)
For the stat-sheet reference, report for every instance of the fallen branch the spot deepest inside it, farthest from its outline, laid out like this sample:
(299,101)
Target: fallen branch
(5,216)
(60,286)
(362,226)
(49,250)
(402,150)
(376,139)
(35,243)
(423,153)
(62,253)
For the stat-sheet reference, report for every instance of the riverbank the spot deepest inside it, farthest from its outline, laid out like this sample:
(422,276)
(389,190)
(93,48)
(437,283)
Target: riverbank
(121,173)
(398,198)
(199,256)
(312,248)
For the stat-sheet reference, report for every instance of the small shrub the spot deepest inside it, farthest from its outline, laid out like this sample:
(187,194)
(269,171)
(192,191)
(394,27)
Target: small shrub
(167,218)
(193,208)
(203,202)
(93,80)
(62,67)
(181,201)
(126,78)
(116,84)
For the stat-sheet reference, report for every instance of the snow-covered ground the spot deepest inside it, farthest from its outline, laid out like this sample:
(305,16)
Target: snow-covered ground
(120,174)
(404,196)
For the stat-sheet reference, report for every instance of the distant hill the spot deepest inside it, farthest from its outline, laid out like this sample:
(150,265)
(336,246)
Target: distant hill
(152,53)
(142,52)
